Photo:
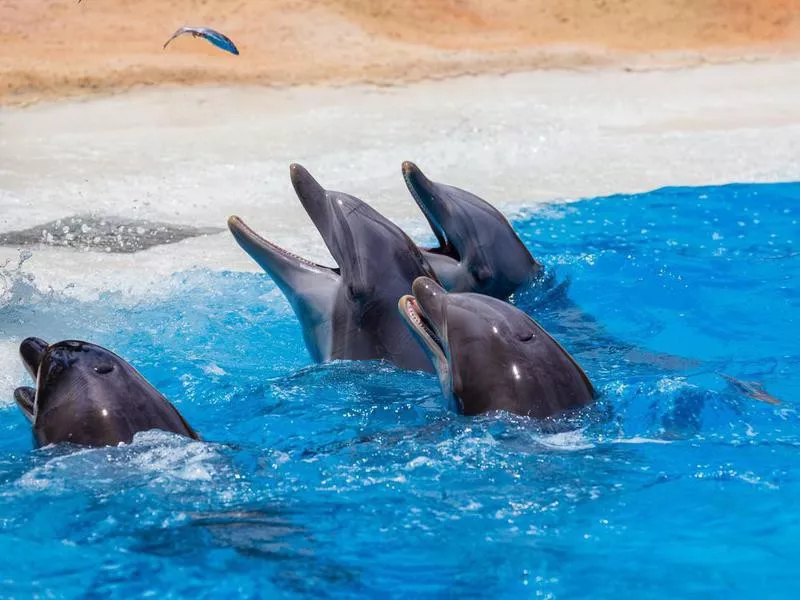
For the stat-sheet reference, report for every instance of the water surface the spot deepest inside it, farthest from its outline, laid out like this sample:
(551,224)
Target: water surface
(354,480)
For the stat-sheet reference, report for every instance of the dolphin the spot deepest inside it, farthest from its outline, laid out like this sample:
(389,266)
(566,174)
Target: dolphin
(478,249)
(480,252)
(490,355)
(348,312)
(89,396)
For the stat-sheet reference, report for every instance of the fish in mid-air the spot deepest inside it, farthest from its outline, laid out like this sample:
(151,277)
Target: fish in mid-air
(215,37)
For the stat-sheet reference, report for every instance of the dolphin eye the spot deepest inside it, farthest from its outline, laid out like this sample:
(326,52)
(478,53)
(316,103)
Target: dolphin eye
(525,334)
(103,368)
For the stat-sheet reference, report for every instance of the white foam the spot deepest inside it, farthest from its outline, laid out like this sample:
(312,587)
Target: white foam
(640,440)
(12,373)
(567,440)
(161,455)
(198,155)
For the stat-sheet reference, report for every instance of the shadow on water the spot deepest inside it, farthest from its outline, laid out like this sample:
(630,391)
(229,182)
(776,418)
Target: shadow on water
(103,234)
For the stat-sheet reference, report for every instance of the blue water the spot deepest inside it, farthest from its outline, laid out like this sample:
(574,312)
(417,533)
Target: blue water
(354,480)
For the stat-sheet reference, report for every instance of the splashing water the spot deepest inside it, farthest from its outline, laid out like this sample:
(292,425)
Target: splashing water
(353,479)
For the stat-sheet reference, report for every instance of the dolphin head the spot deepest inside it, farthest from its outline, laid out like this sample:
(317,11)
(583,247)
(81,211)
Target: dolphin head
(349,311)
(492,356)
(74,369)
(310,288)
(478,249)
(367,247)
(88,395)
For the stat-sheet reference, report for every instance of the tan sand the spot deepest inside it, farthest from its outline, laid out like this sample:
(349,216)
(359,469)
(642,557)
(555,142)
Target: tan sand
(53,48)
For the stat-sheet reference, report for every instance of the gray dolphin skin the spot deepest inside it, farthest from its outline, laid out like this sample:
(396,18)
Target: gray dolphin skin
(490,355)
(89,396)
(349,312)
(478,249)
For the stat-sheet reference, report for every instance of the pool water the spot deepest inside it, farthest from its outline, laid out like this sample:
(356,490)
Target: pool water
(355,480)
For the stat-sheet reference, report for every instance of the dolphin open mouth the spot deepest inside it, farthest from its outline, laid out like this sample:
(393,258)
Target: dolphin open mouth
(257,246)
(420,188)
(423,327)
(32,352)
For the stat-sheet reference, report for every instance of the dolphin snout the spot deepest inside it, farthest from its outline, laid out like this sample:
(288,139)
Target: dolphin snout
(32,351)
(413,172)
(426,287)
(416,180)
(430,296)
(234,222)
(305,186)
(249,240)
(409,168)
(314,199)
(238,228)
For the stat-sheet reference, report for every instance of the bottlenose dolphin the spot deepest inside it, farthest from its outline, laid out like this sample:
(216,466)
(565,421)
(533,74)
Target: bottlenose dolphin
(88,395)
(490,355)
(478,249)
(349,312)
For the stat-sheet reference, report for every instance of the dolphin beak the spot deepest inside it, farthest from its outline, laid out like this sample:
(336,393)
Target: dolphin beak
(264,252)
(431,298)
(430,202)
(429,331)
(312,196)
(416,179)
(32,351)
(249,240)
(25,397)
(269,256)
(423,330)
(325,213)
(304,183)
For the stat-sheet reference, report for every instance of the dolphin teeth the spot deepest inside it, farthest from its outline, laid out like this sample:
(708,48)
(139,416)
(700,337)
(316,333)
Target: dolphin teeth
(411,309)
(283,251)
(290,254)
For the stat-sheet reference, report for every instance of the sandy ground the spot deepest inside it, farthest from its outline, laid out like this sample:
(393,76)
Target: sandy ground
(54,48)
